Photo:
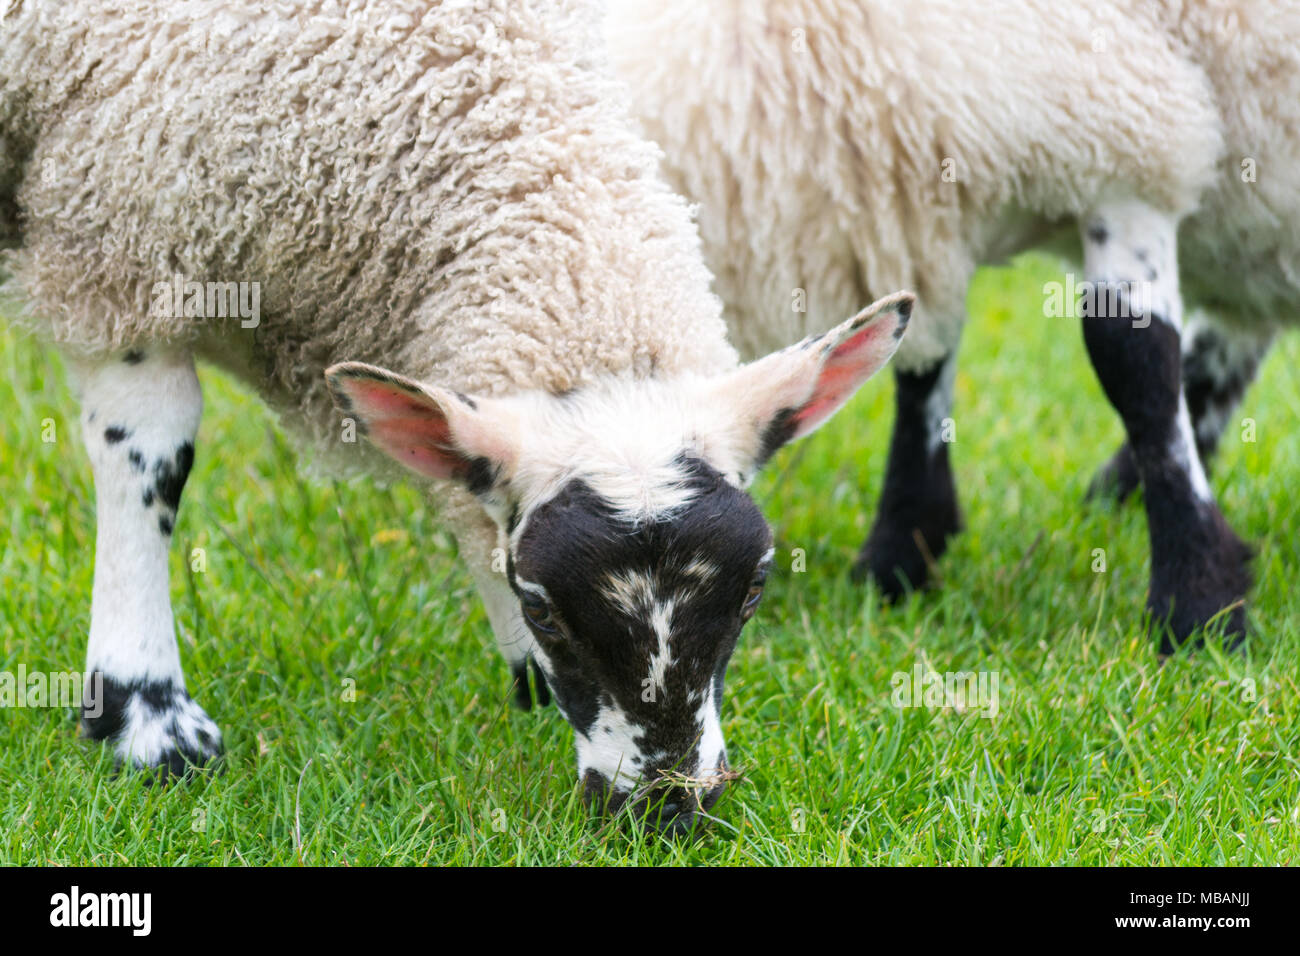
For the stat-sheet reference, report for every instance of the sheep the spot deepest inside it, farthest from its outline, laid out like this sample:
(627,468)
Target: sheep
(842,146)
(436,216)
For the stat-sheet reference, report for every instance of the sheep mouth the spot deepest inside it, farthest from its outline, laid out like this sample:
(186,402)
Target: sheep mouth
(673,804)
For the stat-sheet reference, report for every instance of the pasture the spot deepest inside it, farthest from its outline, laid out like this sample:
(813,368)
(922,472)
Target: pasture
(333,634)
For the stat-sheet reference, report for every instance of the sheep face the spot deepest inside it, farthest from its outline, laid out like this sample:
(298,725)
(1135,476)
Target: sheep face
(633,553)
(634,618)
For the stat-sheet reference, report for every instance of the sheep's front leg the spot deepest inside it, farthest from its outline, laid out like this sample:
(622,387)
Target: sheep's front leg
(140,412)
(1132,320)
(485,553)
(918,509)
(1218,367)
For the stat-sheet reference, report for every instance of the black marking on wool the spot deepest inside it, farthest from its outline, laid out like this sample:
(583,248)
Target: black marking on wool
(165,524)
(170,476)
(159,698)
(111,705)
(390,378)
(147,497)
(919,495)
(341,398)
(778,433)
(904,310)
(1198,564)
(115,433)
(160,695)
(480,475)
(133,357)
(1215,378)
(1144,257)
(1097,233)
(575,541)
(137,461)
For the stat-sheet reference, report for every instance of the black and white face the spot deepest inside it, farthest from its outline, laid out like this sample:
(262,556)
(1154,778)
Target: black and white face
(634,554)
(634,622)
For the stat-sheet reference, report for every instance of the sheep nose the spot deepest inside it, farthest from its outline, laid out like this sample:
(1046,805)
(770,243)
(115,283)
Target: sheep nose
(670,811)
(678,809)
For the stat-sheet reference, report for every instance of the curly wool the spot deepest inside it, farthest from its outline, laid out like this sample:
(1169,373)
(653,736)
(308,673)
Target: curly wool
(450,189)
(843,148)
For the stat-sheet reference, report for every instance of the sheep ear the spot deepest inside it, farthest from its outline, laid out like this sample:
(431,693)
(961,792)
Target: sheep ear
(789,393)
(433,431)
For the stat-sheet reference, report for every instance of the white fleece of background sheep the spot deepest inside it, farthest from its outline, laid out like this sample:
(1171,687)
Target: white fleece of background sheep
(814,134)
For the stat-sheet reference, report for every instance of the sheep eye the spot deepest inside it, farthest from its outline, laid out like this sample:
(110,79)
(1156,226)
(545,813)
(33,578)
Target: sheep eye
(754,594)
(538,613)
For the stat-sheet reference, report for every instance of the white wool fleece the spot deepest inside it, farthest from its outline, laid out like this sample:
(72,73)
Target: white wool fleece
(839,148)
(449,189)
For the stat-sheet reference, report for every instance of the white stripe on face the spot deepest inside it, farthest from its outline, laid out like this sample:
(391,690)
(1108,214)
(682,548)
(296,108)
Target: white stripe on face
(701,570)
(661,623)
(634,592)
(631,591)
(713,750)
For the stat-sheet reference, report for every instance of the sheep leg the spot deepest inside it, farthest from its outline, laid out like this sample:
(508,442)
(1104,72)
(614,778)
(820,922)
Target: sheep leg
(140,412)
(1218,367)
(513,638)
(918,509)
(485,553)
(1132,321)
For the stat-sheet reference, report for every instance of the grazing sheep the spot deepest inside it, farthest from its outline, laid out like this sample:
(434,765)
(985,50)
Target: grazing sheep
(838,147)
(447,189)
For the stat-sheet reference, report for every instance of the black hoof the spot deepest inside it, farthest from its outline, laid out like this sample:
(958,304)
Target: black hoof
(1204,590)
(905,542)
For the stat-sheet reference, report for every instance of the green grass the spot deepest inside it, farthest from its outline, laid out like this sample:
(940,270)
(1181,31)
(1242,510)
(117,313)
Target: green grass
(1098,755)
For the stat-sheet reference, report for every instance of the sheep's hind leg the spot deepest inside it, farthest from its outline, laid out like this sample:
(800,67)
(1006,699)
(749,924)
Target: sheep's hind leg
(1132,319)
(140,413)
(918,509)
(1218,367)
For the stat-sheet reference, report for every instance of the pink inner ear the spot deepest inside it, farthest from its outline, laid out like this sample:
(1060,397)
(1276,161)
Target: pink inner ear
(409,428)
(381,399)
(418,446)
(854,361)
